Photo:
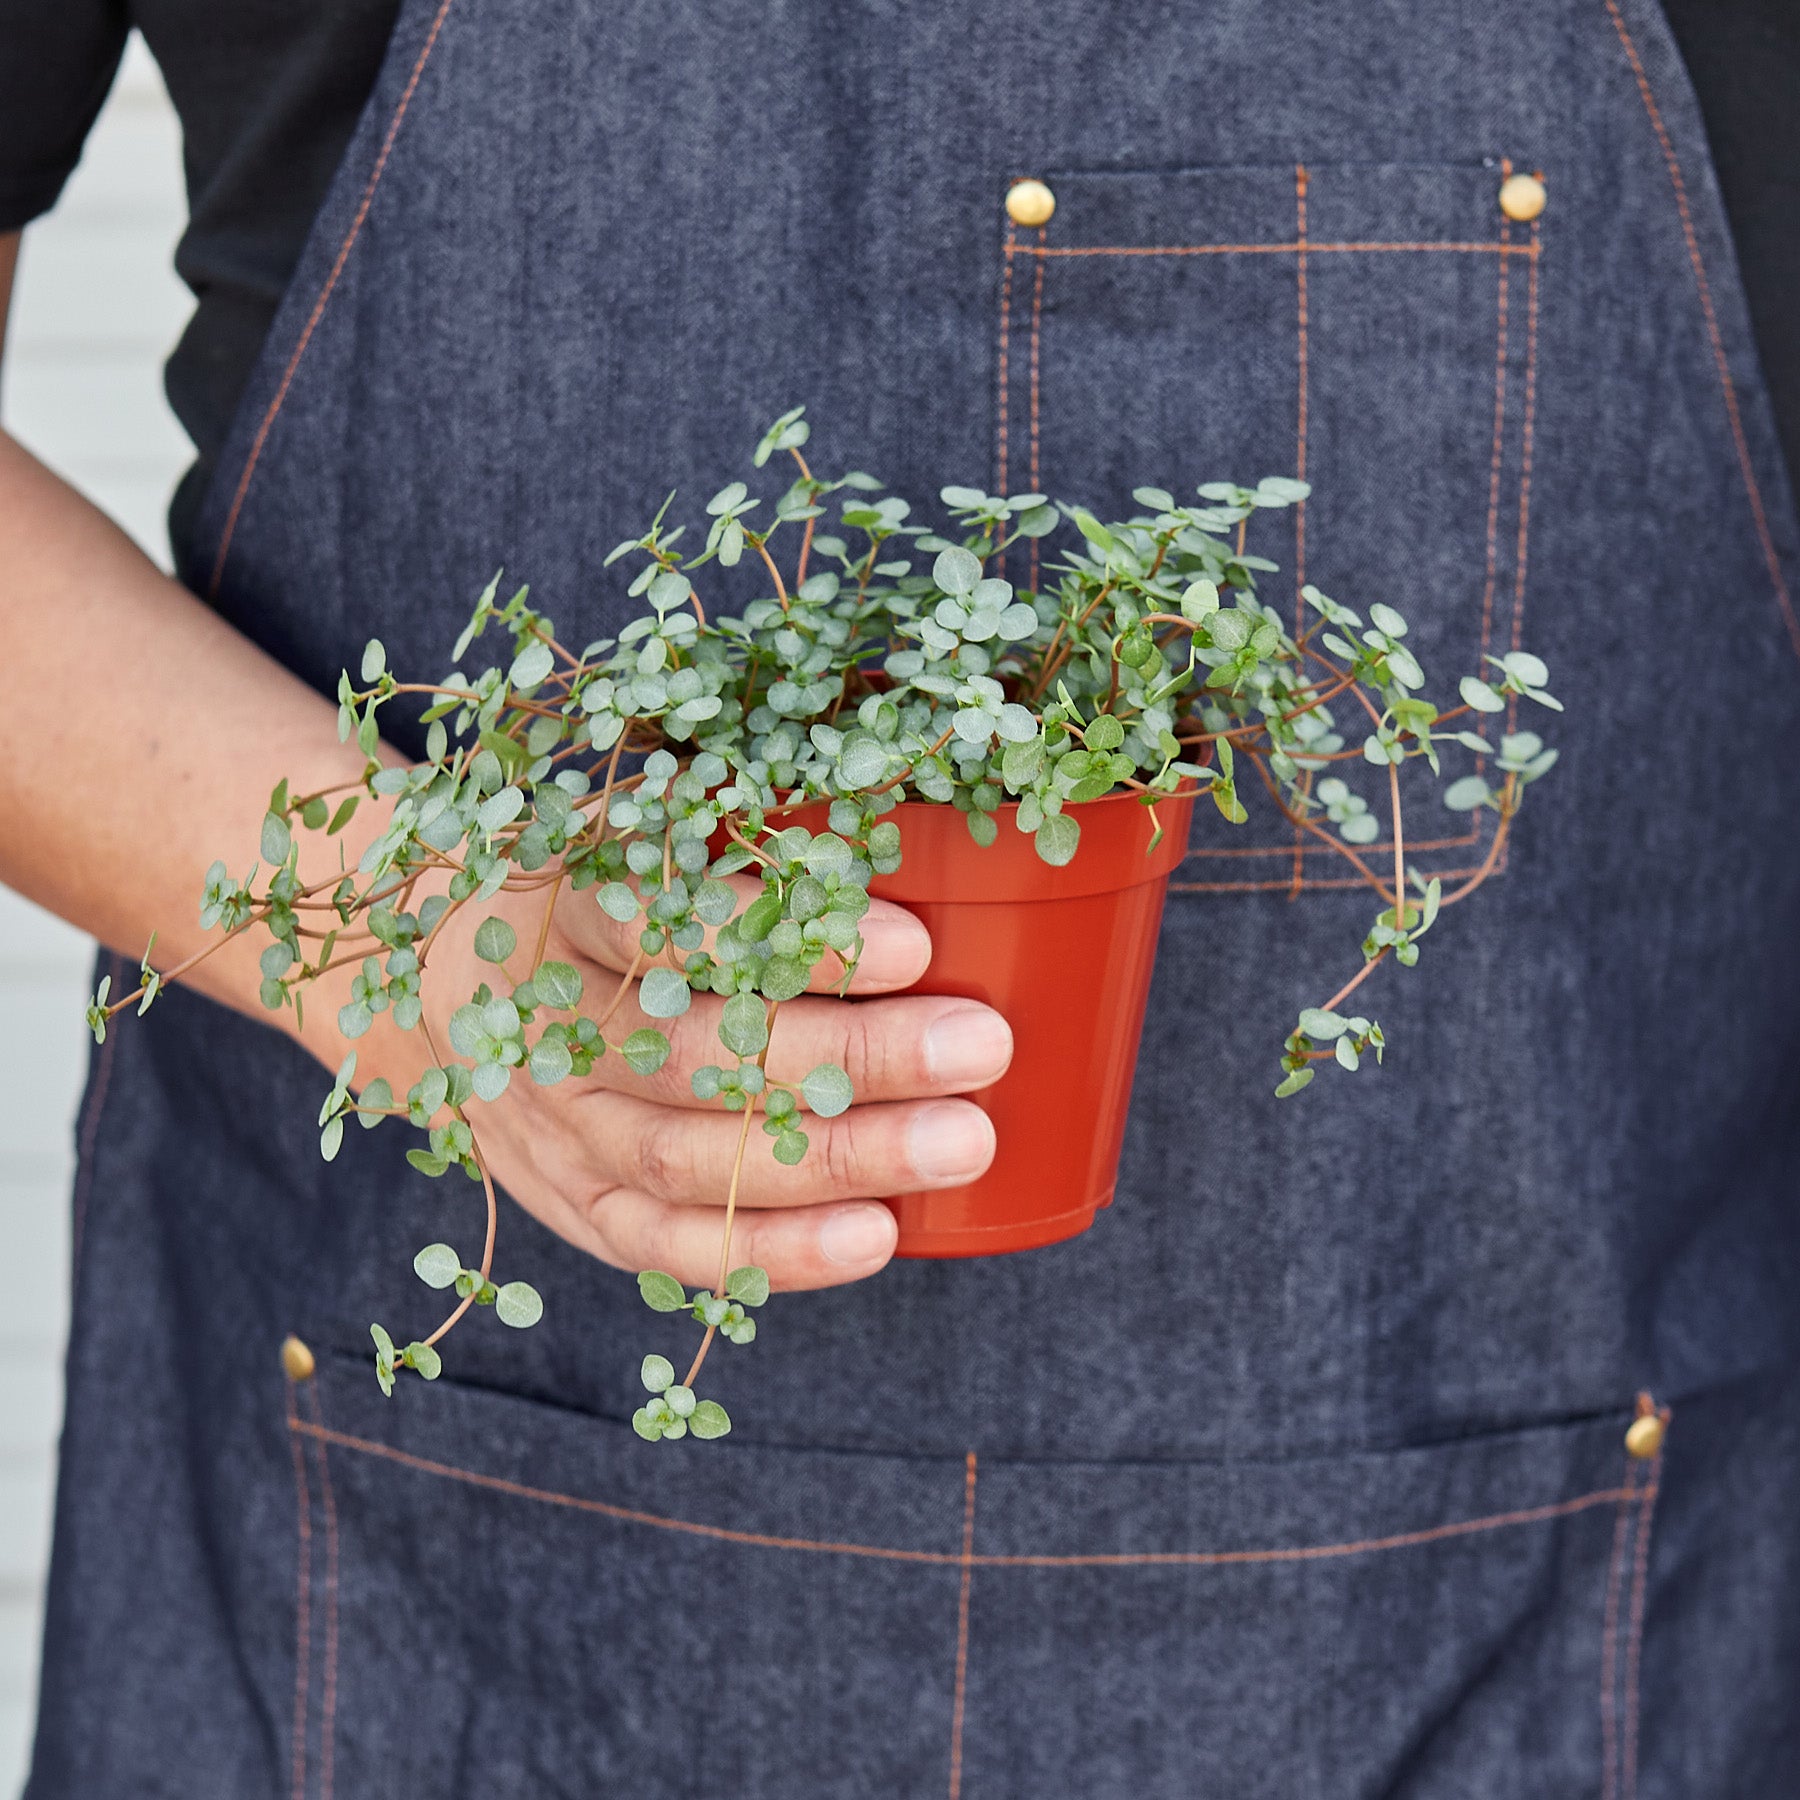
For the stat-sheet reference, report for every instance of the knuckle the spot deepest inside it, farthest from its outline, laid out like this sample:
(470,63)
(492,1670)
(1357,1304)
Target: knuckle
(597,1208)
(841,1164)
(661,1246)
(869,1050)
(660,1157)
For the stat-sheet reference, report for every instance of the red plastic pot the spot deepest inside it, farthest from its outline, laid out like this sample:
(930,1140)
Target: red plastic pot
(1065,957)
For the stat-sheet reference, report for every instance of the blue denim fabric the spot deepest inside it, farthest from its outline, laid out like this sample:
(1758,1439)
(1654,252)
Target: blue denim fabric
(1302,1473)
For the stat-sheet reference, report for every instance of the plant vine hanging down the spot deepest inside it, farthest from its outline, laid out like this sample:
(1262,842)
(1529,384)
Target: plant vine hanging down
(883,660)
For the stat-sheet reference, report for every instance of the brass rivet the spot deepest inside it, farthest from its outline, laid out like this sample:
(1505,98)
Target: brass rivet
(296,1359)
(1644,1436)
(1029,203)
(1522,197)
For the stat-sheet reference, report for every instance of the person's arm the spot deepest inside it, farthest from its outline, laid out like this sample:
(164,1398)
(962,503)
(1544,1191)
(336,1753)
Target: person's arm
(143,733)
(143,736)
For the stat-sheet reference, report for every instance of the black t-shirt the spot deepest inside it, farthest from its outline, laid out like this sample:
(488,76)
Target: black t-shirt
(269,91)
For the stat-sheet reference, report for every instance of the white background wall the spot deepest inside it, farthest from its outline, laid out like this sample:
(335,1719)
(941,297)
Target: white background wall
(96,307)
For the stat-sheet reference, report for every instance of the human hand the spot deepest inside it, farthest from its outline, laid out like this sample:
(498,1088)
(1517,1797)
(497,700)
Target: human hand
(636,1170)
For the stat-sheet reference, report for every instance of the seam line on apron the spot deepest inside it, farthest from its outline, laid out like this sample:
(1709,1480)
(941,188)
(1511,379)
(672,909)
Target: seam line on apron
(1005,404)
(1609,1651)
(328,1695)
(1291,247)
(319,305)
(1752,487)
(1530,1515)
(1634,1642)
(302,1609)
(962,1630)
(1037,339)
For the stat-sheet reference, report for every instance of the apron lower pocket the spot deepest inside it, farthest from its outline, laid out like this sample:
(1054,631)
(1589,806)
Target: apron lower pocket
(496,1595)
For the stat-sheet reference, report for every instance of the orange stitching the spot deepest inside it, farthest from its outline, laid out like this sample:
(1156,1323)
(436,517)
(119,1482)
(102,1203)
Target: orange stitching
(1300,409)
(1005,336)
(962,1630)
(302,1604)
(325,293)
(1403,1540)
(1609,1750)
(90,1131)
(1493,514)
(1635,1642)
(1313,847)
(1283,884)
(1527,440)
(1751,486)
(1037,323)
(1301,360)
(625,1514)
(1288,249)
(947,1559)
(328,1718)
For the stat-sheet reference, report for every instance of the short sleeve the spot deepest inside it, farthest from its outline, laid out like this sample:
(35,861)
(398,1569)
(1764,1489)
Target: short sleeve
(57,61)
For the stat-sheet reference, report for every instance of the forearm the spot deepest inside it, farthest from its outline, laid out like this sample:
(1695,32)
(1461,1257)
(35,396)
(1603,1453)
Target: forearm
(143,738)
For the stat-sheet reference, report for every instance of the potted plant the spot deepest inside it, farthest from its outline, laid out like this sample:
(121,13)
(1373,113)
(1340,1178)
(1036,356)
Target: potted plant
(884,713)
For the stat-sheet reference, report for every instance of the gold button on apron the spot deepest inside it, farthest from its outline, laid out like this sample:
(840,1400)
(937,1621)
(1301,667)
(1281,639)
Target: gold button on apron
(1522,197)
(296,1359)
(1029,203)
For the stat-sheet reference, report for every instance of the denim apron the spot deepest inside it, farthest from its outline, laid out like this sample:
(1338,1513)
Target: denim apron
(1304,1472)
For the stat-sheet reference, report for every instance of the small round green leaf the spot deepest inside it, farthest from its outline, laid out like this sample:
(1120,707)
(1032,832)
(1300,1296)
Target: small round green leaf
(531,665)
(619,902)
(710,1420)
(743,1026)
(550,1061)
(1480,696)
(664,994)
(827,1090)
(662,1293)
(645,1051)
(748,1284)
(519,1304)
(499,810)
(558,985)
(956,571)
(437,1265)
(495,940)
(276,838)
(658,1374)
(1057,839)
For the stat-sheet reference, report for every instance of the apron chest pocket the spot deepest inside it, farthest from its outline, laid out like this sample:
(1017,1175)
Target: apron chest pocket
(1369,328)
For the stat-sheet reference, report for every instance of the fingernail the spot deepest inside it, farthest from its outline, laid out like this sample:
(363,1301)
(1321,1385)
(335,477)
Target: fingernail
(950,1142)
(972,1043)
(860,1234)
(896,949)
